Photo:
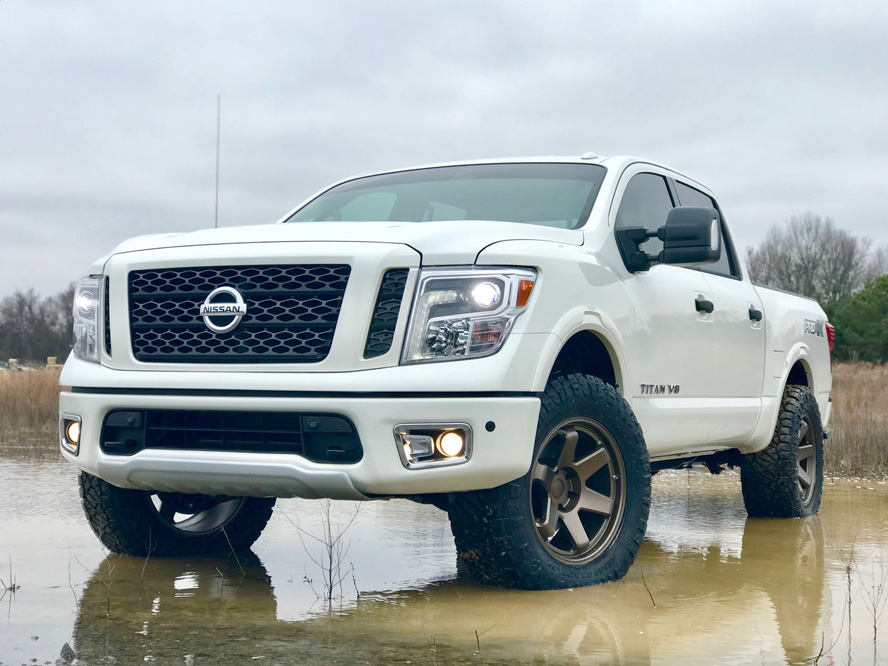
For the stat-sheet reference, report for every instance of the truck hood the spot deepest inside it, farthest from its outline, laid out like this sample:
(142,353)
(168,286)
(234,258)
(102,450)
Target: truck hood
(439,243)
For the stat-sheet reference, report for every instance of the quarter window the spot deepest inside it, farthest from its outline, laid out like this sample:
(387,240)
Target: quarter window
(688,196)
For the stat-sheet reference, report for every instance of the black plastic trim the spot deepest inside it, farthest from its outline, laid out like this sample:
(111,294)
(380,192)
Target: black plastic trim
(224,393)
(389,301)
(319,437)
(106,315)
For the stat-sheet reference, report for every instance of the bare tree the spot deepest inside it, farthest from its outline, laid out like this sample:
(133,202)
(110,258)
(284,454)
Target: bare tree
(811,256)
(22,324)
(32,328)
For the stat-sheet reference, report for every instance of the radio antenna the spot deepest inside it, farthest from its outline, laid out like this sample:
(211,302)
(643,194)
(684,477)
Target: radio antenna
(218,143)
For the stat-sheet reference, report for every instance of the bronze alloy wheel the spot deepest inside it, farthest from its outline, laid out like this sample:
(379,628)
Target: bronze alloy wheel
(578,490)
(161,524)
(807,461)
(785,479)
(195,514)
(578,516)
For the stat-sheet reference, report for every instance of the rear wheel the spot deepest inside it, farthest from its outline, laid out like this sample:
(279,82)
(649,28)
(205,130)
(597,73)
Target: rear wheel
(137,522)
(578,516)
(785,479)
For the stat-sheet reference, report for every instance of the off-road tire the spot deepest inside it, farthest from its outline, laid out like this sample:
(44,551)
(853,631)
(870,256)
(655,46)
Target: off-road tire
(771,478)
(495,530)
(127,522)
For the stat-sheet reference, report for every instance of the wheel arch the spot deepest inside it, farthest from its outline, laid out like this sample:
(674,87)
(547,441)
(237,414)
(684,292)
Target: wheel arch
(583,342)
(798,369)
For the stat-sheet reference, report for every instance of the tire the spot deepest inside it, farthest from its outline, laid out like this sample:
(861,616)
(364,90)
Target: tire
(141,523)
(785,480)
(579,514)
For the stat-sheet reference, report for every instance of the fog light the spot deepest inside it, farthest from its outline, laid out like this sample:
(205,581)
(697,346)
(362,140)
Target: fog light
(69,433)
(433,444)
(72,432)
(451,444)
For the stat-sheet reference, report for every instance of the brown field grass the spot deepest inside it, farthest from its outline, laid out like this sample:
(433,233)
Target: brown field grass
(29,402)
(858,445)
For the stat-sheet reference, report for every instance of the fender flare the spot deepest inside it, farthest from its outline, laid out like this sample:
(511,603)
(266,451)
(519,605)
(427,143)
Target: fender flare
(798,352)
(576,321)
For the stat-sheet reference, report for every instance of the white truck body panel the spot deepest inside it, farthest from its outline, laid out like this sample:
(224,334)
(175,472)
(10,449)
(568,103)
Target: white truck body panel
(721,373)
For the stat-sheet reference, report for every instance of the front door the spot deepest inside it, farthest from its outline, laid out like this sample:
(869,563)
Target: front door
(671,346)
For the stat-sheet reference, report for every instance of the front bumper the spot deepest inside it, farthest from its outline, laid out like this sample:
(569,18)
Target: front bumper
(498,456)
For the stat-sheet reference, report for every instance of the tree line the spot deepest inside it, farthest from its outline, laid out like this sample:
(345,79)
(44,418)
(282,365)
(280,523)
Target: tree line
(808,255)
(847,275)
(33,328)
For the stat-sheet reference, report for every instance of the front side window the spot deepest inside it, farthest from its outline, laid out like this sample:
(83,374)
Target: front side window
(548,194)
(646,203)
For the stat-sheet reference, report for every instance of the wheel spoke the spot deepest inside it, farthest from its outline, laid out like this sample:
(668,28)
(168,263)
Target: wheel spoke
(542,473)
(569,451)
(592,463)
(577,532)
(596,502)
(803,430)
(549,525)
(804,478)
(806,452)
(167,510)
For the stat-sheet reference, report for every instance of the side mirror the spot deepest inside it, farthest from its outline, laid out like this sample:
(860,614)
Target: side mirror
(690,236)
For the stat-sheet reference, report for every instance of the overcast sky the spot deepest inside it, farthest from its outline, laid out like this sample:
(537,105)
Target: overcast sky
(109,108)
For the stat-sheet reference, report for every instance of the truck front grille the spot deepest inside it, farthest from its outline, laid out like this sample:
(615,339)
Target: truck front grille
(291,315)
(328,438)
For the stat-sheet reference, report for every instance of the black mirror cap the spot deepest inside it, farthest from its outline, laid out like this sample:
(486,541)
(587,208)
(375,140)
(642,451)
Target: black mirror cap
(690,236)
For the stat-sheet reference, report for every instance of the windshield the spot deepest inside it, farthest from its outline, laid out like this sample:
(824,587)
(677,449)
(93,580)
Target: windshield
(549,194)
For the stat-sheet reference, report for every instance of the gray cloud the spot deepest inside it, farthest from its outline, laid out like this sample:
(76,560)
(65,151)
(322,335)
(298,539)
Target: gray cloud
(108,109)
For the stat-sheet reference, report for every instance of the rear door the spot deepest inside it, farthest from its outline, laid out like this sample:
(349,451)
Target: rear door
(737,328)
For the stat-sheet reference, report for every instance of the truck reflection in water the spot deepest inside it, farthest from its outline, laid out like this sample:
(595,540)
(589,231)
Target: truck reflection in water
(700,601)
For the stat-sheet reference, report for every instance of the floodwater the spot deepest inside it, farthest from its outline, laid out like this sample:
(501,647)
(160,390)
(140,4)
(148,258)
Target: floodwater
(709,587)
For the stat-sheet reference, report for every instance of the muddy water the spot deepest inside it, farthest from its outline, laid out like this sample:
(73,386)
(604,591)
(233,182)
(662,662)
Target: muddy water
(709,587)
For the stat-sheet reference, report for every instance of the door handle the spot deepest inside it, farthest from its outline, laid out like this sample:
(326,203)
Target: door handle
(755,315)
(703,305)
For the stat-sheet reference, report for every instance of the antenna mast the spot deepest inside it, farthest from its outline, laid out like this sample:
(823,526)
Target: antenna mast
(218,143)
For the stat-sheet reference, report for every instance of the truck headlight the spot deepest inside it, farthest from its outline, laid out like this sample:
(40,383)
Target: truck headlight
(465,313)
(86,319)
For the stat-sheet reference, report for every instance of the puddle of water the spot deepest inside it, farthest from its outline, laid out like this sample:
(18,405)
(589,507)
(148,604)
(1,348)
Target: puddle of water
(709,586)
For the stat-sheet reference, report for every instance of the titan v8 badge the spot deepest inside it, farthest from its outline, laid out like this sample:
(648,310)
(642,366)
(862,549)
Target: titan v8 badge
(220,313)
(659,389)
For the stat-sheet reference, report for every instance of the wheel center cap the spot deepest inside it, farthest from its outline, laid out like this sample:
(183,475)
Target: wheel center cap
(558,488)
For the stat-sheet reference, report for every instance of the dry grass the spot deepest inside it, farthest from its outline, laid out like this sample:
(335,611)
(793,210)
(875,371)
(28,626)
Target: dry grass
(858,443)
(29,402)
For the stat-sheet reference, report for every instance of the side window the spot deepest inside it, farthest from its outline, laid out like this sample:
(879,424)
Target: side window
(688,196)
(646,203)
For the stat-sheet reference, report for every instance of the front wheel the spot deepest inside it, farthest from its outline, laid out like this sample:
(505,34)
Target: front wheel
(579,515)
(137,522)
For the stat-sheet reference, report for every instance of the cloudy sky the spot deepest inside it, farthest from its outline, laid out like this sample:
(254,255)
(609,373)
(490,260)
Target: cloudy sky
(109,108)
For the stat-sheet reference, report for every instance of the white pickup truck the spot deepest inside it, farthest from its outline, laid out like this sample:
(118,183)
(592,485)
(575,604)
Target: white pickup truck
(521,343)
